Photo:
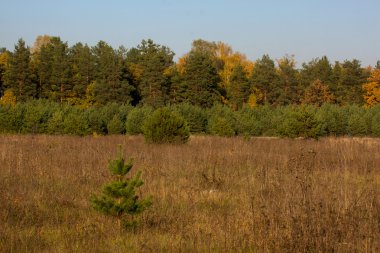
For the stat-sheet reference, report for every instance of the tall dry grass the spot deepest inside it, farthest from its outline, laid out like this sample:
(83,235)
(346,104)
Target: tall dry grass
(210,195)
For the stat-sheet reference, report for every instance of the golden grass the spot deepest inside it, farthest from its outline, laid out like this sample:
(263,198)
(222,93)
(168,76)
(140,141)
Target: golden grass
(210,195)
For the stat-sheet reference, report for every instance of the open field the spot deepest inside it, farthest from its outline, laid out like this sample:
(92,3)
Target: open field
(210,195)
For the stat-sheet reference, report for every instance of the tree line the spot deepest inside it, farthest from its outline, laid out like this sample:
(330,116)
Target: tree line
(211,72)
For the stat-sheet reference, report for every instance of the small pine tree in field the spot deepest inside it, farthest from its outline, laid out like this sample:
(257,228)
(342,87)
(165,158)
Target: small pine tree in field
(119,198)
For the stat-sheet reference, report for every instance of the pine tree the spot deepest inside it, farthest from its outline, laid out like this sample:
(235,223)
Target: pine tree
(320,69)
(18,74)
(82,65)
(201,79)
(266,80)
(238,88)
(110,85)
(288,82)
(154,60)
(119,198)
(353,76)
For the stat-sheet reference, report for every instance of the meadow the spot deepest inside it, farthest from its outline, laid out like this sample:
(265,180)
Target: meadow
(212,194)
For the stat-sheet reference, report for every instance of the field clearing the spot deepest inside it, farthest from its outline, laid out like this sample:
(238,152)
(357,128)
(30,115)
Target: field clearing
(210,195)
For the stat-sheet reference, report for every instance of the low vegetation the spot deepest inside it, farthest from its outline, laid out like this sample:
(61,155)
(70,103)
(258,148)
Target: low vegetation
(212,194)
(46,117)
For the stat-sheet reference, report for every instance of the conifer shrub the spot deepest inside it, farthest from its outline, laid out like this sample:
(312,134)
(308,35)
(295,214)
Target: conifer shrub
(375,126)
(195,116)
(248,122)
(136,118)
(75,123)
(55,123)
(220,126)
(6,118)
(37,114)
(115,126)
(119,198)
(165,126)
(15,118)
(220,114)
(333,119)
(300,122)
(356,125)
(96,122)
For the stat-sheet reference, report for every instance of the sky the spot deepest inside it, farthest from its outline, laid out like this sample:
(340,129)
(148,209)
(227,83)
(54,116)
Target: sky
(340,29)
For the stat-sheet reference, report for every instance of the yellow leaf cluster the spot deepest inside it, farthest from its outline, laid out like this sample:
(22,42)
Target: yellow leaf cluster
(4,57)
(8,98)
(372,89)
(136,71)
(230,60)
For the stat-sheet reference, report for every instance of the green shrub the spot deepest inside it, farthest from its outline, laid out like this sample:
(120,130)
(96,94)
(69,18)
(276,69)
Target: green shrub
(220,126)
(165,126)
(136,118)
(375,126)
(55,123)
(300,122)
(11,118)
(36,115)
(195,116)
(75,123)
(356,125)
(115,126)
(249,122)
(333,119)
(219,114)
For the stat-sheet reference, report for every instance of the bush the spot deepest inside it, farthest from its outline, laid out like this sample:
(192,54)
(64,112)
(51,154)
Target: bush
(300,122)
(248,122)
(195,116)
(218,115)
(36,116)
(55,123)
(333,119)
(115,126)
(135,120)
(11,118)
(165,126)
(221,127)
(356,124)
(375,128)
(75,123)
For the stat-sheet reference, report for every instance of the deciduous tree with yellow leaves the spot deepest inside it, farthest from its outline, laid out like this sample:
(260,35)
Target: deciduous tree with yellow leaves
(372,89)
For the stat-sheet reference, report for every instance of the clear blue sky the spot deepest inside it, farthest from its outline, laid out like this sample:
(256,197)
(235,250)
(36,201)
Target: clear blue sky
(340,29)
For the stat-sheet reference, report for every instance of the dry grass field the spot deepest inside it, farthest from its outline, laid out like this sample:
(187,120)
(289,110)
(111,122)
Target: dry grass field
(210,195)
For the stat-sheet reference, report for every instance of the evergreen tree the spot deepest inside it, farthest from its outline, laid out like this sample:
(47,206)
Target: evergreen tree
(18,74)
(238,89)
(265,79)
(110,84)
(119,198)
(154,60)
(317,69)
(353,76)
(288,82)
(82,64)
(61,88)
(201,79)
(53,70)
